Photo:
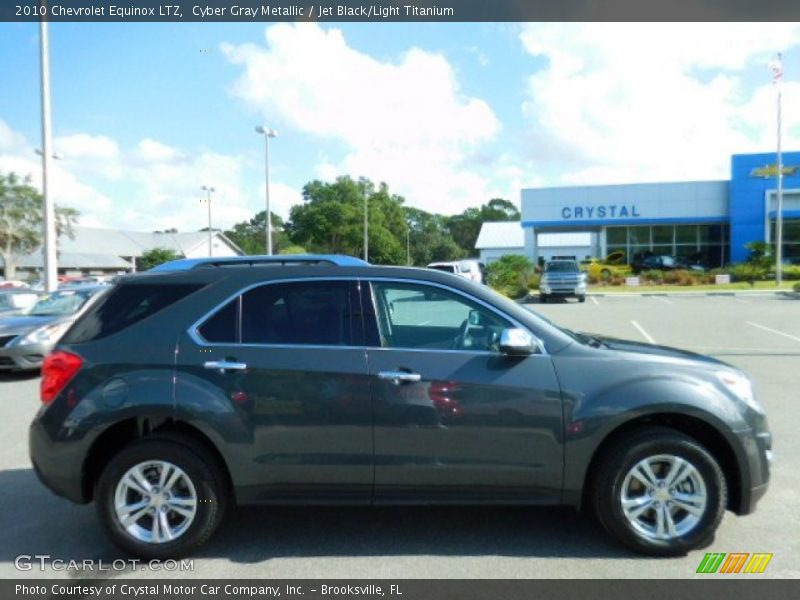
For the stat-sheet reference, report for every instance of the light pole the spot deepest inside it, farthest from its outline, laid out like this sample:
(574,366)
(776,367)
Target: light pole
(267,133)
(366,224)
(49,221)
(208,190)
(779,212)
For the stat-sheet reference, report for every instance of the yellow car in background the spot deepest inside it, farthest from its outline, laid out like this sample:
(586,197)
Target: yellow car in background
(612,265)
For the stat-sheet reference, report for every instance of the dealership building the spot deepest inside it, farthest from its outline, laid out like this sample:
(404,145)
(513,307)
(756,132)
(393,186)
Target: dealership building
(703,221)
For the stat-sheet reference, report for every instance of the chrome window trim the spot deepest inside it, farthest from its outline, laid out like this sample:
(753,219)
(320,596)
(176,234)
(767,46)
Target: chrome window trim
(195,336)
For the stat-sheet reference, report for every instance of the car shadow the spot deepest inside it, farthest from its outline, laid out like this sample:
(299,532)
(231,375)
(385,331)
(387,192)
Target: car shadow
(34,521)
(19,375)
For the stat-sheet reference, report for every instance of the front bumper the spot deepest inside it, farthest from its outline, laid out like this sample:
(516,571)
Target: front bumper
(562,290)
(755,469)
(23,358)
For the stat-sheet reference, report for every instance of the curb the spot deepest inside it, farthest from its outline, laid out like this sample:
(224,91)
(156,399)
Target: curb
(531,298)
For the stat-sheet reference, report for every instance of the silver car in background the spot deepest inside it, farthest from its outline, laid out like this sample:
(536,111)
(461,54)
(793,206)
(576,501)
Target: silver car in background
(470,269)
(16,301)
(563,279)
(26,339)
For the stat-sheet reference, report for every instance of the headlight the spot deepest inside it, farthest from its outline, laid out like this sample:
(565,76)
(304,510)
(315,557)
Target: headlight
(741,387)
(44,335)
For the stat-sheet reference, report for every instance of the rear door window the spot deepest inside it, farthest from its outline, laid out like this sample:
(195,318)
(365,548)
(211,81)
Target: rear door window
(304,313)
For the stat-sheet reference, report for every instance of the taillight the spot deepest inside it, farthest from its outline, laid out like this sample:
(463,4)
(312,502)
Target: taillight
(58,369)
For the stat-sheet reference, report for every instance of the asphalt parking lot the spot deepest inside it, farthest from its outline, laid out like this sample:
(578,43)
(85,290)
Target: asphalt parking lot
(760,334)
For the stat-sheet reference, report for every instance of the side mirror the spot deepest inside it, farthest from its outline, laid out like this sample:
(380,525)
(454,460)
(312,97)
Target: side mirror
(517,342)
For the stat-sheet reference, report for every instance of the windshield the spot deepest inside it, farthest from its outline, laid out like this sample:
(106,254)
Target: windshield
(561,266)
(61,303)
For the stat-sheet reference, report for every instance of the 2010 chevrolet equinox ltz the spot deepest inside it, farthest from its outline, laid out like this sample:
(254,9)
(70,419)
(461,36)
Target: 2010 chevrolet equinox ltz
(321,379)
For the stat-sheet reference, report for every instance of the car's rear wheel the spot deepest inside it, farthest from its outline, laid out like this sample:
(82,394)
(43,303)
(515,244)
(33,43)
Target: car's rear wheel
(660,492)
(161,497)
(543,298)
(581,298)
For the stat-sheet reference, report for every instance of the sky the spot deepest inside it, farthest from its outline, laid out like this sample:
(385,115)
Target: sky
(449,115)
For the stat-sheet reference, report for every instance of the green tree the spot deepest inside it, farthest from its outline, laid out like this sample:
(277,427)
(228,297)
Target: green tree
(21,208)
(154,257)
(331,219)
(251,236)
(429,239)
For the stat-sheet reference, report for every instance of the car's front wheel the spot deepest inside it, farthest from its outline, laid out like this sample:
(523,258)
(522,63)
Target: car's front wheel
(660,492)
(161,497)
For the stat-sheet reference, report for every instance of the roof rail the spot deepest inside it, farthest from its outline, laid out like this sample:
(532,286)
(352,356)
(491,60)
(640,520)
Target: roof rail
(188,264)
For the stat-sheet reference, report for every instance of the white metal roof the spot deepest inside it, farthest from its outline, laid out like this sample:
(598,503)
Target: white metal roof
(501,235)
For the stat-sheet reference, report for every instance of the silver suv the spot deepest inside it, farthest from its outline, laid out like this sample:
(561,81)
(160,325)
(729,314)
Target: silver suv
(562,278)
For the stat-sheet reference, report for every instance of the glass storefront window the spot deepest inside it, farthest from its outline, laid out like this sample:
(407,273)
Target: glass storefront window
(662,234)
(705,244)
(711,234)
(639,236)
(686,234)
(617,236)
(791,240)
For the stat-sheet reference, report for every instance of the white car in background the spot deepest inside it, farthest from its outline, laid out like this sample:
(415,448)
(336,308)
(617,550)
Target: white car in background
(468,269)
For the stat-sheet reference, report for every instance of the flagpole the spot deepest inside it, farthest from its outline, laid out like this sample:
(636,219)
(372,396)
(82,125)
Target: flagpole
(779,215)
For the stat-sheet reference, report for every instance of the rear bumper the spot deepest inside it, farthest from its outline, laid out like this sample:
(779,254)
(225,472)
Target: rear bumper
(59,466)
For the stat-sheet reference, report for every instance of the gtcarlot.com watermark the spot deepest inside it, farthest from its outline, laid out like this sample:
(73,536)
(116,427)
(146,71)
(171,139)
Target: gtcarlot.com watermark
(45,562)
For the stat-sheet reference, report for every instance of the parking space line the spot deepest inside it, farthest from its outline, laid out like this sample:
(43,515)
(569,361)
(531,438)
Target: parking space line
(665,300)
(593,299)
(765,328)
(643,332)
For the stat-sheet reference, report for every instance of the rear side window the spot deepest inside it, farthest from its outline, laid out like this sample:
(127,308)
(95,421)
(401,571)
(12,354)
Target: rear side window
(123,306)
(317,313)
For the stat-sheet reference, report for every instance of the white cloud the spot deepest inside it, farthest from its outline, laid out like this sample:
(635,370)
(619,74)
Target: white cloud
(405,122)
(147,187)
(17,155)
(150,150)
(637,102)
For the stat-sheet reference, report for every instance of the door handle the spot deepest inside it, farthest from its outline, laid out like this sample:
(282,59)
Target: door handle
(398,377)
(224,365)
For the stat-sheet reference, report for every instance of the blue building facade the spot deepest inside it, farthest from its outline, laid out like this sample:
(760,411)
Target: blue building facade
(707,222)
(753,201)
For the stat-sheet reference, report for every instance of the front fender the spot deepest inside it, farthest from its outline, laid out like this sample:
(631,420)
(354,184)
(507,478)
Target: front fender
(589,421)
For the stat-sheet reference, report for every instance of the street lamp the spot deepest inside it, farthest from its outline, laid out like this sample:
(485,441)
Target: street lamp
(208,190)
(49,216)
(267,133)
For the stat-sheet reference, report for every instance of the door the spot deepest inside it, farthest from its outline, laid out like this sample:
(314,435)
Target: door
(283,371)
(456,420)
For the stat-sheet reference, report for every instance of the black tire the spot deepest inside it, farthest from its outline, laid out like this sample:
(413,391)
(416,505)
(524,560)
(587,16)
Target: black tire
(607,487)
(197,463)
(581,298)
(543,298)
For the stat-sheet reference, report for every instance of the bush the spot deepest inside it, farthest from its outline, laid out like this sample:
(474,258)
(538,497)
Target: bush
(791,272)
(616,280)
(749,272)
(511,275)
(797,287)
(652,276)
